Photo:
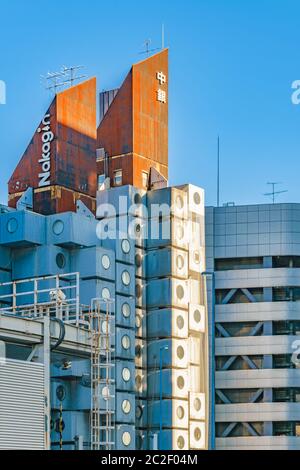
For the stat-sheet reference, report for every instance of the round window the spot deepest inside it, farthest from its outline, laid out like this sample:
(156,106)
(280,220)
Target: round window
(60,261)
(138,291)
(196,257)
(58,227)
(180,352)
(180,412)
(179,202)
(180,292)
(180,382)
(126,342)
(180,442)
(126,278)
(138,229)
(126,374)
(138,351)
(138,321)
(105,262)
(139,412)
(180,232)
(180,262)
(126,406)
(138,381)
(138,261)
(61,393)
(126,310)
(105,327)
(197,404)
(197,316)
(197,198)
(126,439)
(197,434)
(125,246)
(12,225)
(105,393)
(105,293)
(180,322)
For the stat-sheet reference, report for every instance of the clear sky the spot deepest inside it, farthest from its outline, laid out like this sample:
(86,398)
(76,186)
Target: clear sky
(232,63)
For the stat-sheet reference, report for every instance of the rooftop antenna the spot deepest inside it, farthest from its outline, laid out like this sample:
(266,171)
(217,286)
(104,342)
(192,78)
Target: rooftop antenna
(162,36)
(218,172)
(67,76)
(147,50)
(274,193)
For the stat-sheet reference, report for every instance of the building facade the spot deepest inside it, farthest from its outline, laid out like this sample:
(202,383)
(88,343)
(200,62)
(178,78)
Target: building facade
(254,253)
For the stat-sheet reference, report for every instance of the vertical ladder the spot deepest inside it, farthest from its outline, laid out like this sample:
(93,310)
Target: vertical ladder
(102,324)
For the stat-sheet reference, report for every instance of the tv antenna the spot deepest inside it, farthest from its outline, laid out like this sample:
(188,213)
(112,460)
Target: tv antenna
(274,193)
(147,45)
(67,76)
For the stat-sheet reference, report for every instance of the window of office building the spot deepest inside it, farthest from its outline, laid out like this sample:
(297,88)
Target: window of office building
(101,179)
(286,261)
(118,177)
(227,264)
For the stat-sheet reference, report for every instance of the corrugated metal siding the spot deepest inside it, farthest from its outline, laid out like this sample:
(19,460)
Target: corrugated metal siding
(22,421)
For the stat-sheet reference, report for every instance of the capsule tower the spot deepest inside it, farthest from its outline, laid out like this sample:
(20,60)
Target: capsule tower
(102,300)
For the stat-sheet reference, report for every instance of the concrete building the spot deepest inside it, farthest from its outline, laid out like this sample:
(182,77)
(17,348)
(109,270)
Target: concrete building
(103,318)
(254,252)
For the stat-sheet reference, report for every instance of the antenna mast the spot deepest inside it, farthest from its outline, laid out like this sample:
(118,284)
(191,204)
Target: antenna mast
(147,45)
(274,193)
(67,76)
(218,173)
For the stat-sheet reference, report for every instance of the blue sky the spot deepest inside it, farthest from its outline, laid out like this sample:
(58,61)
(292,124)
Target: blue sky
(232,63)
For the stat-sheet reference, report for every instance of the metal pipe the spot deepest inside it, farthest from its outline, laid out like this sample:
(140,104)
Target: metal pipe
(163,348)
(212,368)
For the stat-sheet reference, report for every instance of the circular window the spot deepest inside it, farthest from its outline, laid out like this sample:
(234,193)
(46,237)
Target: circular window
(126,374)
(138,229)
(105,328)
(180,292)
(138,381)
(180,442)
(197,404)
(197,316)
(126,439)
(138,261)
(60,261)
(126,406)
(138,321)
(105,262)
(137,199)
(180,352)
(125,246)
(180,322)
(126,342)
(12,225)
(180,382)
(58,227)
(197,434)
(61,393)
(179,202)
(126,310)
(197,257)
(126,278)
(138,351)
(180,412)
(197,198)
(139,412)
(138,291)
(180,262)
(180,232)
(105,393)
(105,293)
